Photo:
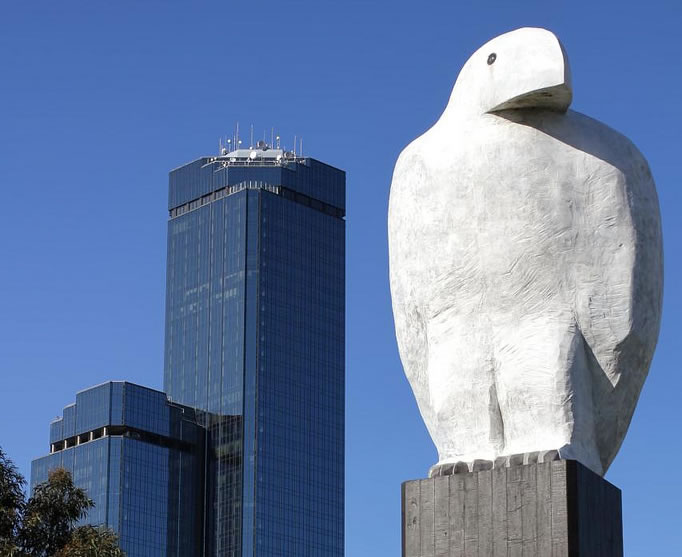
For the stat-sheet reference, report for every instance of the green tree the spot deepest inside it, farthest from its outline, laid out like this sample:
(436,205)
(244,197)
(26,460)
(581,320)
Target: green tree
(87,541)
(11,505)
(51,513)
(45,525)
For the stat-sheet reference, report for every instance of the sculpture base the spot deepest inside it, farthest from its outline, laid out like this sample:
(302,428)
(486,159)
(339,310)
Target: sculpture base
(552,509)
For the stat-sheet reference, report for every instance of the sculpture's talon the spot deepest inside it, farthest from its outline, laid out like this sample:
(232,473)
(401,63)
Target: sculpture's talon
(507,461)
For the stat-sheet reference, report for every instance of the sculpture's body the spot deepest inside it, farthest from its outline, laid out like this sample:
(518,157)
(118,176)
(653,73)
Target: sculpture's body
(526,264)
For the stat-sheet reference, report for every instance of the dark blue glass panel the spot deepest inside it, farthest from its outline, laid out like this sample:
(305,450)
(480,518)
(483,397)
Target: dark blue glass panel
(93,408)
(89,471)
(309,177)
(117,402)
(252,294)
(144,498)
(301,381)
(205,305)
(56,430)
(145,409)
(69,421)
(114,474)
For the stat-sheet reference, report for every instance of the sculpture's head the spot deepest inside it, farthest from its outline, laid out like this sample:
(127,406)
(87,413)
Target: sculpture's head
(525,68)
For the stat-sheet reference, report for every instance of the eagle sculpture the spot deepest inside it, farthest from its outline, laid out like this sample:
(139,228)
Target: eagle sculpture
(526,265)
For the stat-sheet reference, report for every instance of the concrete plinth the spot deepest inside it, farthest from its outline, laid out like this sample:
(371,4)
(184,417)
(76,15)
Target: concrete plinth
(552,509)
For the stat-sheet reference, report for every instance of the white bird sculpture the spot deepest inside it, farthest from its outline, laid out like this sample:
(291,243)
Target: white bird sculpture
(526,265)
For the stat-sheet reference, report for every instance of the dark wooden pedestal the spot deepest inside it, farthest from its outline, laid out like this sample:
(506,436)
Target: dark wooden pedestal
(553,509)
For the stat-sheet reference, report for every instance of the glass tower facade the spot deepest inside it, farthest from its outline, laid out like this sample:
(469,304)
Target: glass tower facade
(255,343)
(244,453)
(140,459)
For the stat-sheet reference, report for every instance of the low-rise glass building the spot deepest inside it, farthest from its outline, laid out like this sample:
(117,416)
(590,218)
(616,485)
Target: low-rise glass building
(134,452)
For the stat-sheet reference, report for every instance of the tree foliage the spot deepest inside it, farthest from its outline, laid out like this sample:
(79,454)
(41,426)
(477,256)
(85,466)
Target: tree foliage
(87,541)
(11,504)
(51,514)
(45,525)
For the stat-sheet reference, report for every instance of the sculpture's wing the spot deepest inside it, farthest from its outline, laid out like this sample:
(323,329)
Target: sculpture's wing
(618,281)
(410,180)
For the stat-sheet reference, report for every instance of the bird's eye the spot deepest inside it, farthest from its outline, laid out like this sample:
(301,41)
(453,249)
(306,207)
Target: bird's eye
(492,58)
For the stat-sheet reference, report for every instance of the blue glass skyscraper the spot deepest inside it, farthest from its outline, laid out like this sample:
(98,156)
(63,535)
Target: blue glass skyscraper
(255,342)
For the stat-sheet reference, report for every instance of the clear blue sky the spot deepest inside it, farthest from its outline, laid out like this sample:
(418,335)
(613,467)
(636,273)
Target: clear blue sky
(98,101)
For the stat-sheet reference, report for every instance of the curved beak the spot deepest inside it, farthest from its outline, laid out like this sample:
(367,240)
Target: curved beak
(557,97)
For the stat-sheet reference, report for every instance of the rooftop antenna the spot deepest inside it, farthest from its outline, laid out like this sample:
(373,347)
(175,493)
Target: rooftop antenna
(295,138)
(300,150)
(277,141)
